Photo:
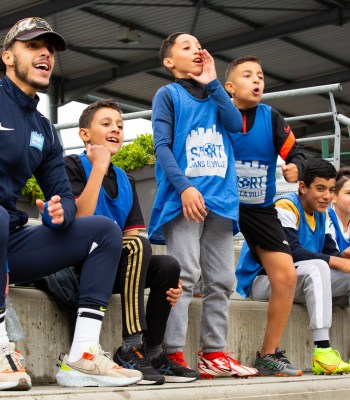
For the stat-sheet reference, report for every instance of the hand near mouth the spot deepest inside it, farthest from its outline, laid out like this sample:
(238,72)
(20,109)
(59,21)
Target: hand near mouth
(208,73)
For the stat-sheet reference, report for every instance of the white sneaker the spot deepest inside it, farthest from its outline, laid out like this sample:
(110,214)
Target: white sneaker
(95,369)
(12,374)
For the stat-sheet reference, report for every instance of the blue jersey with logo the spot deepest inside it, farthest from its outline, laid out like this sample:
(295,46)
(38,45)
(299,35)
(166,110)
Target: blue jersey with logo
(204,154)
(256,159)
(116,209)
(29,145)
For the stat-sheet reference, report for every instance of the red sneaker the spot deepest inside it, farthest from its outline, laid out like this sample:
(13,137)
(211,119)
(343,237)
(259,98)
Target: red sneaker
(219,364)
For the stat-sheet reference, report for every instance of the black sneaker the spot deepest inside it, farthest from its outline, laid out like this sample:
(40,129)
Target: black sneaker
(172,371)
(135,358)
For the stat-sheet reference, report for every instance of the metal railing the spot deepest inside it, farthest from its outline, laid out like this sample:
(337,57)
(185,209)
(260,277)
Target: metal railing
(126,117)
(337,119)
(282,186)
(337,131)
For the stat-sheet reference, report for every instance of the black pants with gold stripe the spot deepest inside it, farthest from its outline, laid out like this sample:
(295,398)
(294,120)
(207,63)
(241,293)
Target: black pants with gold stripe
(139,269)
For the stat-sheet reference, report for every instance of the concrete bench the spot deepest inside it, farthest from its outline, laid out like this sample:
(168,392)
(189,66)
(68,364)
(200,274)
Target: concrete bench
(47,332)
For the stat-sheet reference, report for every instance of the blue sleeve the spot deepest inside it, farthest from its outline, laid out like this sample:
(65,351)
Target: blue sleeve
(53,180)
(229,113)
(163,136)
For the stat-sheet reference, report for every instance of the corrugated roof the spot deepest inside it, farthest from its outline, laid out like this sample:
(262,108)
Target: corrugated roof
(301,43)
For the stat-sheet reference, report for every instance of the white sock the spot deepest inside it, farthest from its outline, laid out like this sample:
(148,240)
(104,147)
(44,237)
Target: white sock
(3,333)
(87,332)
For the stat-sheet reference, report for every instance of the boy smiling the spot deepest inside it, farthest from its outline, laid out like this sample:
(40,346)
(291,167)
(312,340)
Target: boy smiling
(322,273)
(103,189)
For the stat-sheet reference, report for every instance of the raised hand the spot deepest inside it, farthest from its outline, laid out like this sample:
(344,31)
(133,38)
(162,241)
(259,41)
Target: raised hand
(208,71)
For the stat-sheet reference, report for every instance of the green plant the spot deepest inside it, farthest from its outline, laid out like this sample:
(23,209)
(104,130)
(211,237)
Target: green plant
(32,190)
(136,154)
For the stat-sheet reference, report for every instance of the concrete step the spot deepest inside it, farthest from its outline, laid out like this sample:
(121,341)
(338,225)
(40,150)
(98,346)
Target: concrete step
(47,332)
(47,335)
(306,387)
(247,326)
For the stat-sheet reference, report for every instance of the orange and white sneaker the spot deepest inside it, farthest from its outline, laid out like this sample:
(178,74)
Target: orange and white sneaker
(95,369)
(12,374)
(219,364)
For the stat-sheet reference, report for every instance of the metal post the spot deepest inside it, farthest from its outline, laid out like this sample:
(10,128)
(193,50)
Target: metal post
(52,94)
(336,151)
(345,121)
(325,148)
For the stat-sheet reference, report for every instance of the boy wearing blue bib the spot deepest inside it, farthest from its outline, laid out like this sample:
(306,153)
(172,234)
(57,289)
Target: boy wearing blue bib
(339,215)
(264,136)
(101,188)
(196,206)
(322,274)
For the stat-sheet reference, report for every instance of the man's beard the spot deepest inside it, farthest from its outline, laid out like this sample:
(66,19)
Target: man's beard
(23,76)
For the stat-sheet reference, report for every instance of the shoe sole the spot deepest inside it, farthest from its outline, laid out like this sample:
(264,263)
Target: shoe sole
(78,379)
(21,384)
(209,376)
(300,373)
(329,372)
(179,379)
(151,382)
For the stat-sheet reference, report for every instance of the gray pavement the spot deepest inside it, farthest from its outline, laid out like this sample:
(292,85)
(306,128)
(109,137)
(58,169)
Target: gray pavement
(306,387)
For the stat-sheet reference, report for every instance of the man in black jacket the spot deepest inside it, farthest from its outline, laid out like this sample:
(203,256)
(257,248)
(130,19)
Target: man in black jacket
(30,145)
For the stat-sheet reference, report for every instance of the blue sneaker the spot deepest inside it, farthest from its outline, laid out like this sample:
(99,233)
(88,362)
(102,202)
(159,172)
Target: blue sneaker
(172,371)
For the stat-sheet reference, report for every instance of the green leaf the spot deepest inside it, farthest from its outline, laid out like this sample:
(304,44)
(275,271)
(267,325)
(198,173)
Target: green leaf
(136,154)
(32,190)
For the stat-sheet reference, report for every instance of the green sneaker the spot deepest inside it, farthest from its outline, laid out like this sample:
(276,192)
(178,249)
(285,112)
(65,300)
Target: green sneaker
(327,361)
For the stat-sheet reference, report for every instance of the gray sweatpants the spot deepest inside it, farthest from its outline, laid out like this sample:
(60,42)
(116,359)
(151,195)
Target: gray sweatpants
(318,286)
(202,249)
